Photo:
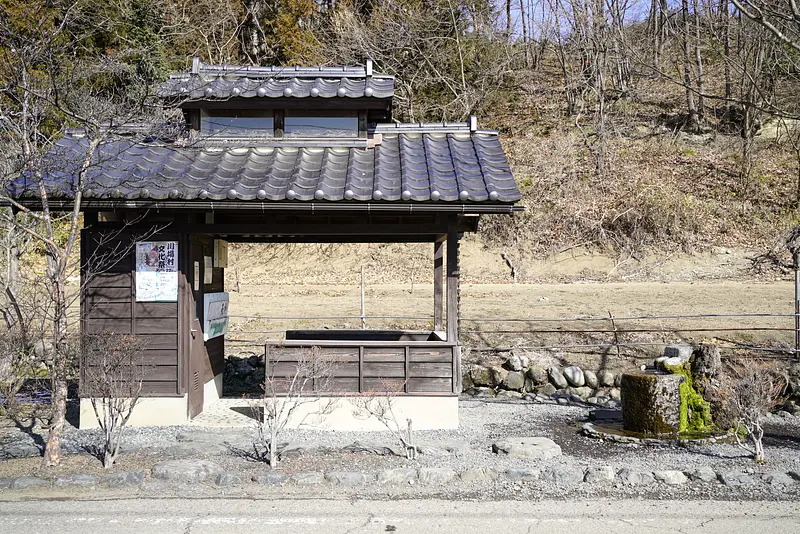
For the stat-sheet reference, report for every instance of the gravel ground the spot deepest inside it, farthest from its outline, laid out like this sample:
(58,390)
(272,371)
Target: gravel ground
(481,423)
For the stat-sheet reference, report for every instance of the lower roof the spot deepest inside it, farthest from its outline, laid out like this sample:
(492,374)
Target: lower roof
(438,168)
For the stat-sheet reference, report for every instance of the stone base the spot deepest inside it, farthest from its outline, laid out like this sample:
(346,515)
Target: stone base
(340,413)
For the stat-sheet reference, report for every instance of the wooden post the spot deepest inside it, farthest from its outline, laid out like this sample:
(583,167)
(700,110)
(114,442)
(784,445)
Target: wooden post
(438,283)
(452,283)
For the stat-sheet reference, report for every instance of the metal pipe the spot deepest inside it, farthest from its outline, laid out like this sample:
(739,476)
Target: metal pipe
(635,318)
(797,305)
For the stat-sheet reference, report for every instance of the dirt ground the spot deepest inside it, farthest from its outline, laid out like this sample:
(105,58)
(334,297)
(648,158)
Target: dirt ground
(338,306)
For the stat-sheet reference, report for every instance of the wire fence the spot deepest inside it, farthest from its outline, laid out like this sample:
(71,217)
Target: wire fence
(499,334)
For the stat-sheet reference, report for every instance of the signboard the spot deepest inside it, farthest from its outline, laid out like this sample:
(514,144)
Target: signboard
(157,271)
(215,306)
(208,270)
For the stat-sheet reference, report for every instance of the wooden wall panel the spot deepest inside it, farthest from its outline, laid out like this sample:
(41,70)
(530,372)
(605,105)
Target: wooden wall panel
(108,305)
(426,370)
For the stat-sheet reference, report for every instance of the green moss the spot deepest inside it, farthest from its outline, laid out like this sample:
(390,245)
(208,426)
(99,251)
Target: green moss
(695,416)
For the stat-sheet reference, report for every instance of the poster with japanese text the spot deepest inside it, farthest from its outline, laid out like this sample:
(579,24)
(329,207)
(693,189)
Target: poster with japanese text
(157,271)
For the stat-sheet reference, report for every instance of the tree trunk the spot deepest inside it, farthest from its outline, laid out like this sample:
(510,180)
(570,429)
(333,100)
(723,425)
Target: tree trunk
(508,20)
(692,122)
(59,361)
(698,60)
(726,21)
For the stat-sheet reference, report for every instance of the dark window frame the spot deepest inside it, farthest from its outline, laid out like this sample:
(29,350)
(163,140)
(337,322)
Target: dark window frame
(279,122)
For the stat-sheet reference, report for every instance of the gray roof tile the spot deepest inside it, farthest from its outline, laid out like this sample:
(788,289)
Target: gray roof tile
(406,166)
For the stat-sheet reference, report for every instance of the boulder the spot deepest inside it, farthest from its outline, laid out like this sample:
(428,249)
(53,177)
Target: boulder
(574,376)
(614,393)
(525,361)
(466,382)
(563,475)
(547,389)
(498,375)
(534,448)
(681,352)
(629,477)
(599,475)
(556,377)
(703,474)
(670,477)
(605,378)
(706,362)
(591,379)
(778,479)
(736,478)
(481,376)
(537,374)
(513,363)
(514,380)
(583,392)
(186,471)
(506,394)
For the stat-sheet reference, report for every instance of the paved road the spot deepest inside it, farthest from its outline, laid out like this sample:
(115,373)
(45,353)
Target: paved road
(244,516)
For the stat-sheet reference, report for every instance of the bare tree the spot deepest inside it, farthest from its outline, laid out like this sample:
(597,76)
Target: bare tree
(113,372)
(752,389)
(380,405)
(43,90)
(293,395)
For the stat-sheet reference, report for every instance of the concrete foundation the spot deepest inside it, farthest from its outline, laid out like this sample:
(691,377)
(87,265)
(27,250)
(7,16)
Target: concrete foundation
(348,413)
(154,411)
(159,411)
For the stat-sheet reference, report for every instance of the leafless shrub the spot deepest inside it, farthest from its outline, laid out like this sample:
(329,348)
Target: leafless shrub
(18,364)
(380,406)
(294,382)
(753,388)
(113,374)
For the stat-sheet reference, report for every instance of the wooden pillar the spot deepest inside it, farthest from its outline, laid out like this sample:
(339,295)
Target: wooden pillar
(438,283)
(452,283)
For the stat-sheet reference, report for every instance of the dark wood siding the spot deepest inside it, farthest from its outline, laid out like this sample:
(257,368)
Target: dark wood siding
(109,304)
(403,368)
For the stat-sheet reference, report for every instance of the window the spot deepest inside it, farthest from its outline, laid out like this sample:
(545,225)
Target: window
(337,123)
(238,122)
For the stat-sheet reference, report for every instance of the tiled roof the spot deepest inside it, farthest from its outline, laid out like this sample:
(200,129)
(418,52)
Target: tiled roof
(451,166)
(210,82)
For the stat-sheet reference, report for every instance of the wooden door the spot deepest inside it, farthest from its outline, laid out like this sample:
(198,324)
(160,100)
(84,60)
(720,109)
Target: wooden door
(197,350)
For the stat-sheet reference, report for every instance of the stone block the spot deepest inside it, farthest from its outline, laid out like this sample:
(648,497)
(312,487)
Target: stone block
(229,479)
(436,475)
(522,474)
(271,479)
(310,478)
(397,476)
(736,478)
(123,479)
(29,482)
(186,471)
(563,475)
(703,474)
(479,475)
(534,448)
(670,477)
(79,480)
(591,379)
(347,478)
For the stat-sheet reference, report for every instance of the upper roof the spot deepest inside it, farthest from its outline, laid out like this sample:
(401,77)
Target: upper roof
(403,164)
(222,82)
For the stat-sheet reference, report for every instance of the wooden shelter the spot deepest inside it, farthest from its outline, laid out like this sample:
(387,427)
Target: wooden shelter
(274,154)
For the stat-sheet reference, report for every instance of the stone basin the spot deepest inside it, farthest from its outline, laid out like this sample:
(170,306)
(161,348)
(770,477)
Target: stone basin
(651,402)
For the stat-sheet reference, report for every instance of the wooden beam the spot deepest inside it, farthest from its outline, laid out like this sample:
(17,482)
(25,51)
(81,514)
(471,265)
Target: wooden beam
(319,229)
(452,283)
(438,285)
